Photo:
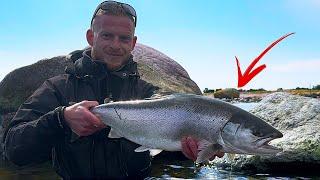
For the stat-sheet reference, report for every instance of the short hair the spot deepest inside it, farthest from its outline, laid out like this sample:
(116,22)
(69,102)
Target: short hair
(114,10)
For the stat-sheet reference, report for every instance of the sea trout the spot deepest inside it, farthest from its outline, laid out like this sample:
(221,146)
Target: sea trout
(161,123)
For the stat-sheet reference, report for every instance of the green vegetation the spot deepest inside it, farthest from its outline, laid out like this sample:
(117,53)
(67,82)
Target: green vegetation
(206,90)
(317,87)
(228,93)
(301,88)
(305,92)
(309,92)
(255,90)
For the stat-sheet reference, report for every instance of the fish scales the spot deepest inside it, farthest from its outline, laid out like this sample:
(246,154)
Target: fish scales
(162,123)
(185,116)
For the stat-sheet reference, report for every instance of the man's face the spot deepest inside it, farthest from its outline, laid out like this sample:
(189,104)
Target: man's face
(112,40)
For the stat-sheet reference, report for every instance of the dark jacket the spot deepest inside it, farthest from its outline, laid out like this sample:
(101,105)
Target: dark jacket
(35,134)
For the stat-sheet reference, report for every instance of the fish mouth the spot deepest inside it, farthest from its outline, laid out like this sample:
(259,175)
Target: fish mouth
(263,144)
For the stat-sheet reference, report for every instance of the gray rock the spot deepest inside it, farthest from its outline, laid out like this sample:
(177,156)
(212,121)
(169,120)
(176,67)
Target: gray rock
(162,71)
(20,83)
(298,118)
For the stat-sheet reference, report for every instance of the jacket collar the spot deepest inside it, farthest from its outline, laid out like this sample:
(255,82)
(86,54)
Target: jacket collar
(85,67)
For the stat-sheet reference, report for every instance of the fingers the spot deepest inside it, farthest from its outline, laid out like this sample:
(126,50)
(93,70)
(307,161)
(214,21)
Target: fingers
(189,148)
(88,104)
(186,150)
(80,119)
(94,121)
(96,124)
(193,145)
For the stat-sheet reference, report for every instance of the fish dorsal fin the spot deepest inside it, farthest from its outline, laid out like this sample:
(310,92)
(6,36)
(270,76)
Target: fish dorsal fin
(114,134)
(207,150)
(153,152)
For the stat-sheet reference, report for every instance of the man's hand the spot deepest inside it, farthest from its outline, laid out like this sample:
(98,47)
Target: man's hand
(81,121)
(190,149)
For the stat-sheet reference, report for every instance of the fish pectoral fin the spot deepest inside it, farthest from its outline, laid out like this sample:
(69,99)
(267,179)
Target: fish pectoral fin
(114,134)
(207,150)
(154,152)
(142,149)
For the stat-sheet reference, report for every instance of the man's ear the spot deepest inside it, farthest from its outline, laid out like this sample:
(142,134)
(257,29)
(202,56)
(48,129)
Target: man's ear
(90,36)
(134,41)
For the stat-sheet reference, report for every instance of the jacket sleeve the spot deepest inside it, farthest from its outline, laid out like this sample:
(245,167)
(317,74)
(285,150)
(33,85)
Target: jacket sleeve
(35,128)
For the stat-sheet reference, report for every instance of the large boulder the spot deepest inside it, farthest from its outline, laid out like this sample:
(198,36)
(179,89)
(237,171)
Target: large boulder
(162,71)
(298,118)
(20,83)
(155,67)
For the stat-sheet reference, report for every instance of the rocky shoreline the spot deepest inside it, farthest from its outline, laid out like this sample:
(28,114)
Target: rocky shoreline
(247,97)
(298,118)
(243,98)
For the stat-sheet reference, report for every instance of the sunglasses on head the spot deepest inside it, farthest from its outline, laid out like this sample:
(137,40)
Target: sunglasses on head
(129,10)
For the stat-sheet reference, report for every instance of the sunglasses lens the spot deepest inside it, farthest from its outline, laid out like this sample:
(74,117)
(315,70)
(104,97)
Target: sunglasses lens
(130,9)
(126,7)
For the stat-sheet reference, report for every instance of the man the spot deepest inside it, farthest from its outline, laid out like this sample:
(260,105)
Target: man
(56,120)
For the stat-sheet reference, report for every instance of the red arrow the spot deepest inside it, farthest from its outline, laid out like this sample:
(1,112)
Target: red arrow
(248,75)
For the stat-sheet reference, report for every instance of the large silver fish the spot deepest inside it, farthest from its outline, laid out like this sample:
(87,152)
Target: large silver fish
(161,124)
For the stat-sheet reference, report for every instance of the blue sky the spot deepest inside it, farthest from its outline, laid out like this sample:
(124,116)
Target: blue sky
(203,36)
